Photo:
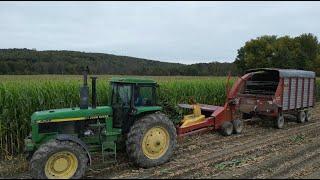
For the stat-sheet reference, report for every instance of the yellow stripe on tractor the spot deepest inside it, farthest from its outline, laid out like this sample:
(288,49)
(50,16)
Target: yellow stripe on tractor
(72,119)
(64,120)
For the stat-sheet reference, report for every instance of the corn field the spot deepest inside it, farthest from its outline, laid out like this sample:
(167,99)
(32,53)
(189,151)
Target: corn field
(20,96)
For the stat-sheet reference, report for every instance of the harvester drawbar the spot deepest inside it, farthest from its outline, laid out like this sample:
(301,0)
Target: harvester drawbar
(209,117)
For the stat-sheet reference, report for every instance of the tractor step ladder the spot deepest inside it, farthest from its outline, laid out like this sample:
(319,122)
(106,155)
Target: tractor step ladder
(109,149)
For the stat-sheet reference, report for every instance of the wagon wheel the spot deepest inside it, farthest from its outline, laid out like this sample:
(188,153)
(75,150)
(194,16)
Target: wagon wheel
(279,122)
(308,115)
(227,128)
(301,117)
(237,126)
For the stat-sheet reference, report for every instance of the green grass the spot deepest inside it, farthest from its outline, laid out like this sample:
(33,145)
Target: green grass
(297,138)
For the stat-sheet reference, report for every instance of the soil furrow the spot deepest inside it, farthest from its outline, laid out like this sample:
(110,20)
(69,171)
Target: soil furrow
(258,160)
(252,151)
(298,166)
(212,143)
(274,165)
(313,175)
(206,156)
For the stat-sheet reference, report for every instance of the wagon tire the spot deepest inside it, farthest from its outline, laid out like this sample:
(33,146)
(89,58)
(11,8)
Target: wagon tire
(237,126)
(45,160)
(227,128)
(308,115)
(151,140)
(301,117)
(279,122)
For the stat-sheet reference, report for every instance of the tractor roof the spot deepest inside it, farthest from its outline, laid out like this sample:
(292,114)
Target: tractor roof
(132,80)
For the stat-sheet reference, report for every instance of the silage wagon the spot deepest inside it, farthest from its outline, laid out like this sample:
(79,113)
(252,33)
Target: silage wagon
(265,92)
(268,92)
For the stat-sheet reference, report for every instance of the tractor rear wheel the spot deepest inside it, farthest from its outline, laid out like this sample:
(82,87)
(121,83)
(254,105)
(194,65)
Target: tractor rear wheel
(237,126)
(58,160)
(151,140)
(227,128)
(301,117)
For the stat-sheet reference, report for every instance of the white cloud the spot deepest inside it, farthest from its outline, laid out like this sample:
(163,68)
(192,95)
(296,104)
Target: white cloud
(187,32)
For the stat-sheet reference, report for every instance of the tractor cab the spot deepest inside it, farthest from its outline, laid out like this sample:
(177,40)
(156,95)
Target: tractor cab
(129,97)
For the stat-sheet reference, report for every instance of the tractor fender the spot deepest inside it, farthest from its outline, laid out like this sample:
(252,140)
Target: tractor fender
(67,137)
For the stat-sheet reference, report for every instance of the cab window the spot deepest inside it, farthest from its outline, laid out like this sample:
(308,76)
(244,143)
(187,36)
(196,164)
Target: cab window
(144,96)
(121,94)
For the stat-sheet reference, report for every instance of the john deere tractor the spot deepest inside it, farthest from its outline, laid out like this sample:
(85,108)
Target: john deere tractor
(62,141)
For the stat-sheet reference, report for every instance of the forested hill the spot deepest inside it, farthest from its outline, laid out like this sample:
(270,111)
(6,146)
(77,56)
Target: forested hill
(26,61)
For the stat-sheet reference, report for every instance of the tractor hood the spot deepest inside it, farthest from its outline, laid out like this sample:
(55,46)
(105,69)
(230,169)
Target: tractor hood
(70,114)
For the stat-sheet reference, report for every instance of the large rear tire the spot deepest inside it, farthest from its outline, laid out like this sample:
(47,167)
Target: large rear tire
(151,140)
(59,160)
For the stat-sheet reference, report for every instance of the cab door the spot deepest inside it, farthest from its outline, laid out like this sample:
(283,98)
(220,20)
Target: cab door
(121,104)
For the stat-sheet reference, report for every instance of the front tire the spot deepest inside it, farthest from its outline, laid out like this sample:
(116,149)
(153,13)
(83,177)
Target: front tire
(59,160)
(151,140)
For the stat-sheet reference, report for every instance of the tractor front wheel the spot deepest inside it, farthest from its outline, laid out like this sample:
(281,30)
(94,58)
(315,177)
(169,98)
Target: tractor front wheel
(58,160)
(151,140)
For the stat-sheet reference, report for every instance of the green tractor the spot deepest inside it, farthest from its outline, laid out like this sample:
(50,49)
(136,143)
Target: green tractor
(62,140)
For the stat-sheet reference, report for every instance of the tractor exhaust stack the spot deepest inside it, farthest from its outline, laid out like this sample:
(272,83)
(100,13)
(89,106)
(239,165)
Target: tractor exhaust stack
(84,91)
(94,92)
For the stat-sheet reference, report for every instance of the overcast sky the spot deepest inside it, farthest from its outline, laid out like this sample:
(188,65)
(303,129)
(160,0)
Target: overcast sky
(184,32)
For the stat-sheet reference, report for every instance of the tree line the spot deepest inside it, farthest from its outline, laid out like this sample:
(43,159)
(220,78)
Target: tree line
(27,61)
(301,52)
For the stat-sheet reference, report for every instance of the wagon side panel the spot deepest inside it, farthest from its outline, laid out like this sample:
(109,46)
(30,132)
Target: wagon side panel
(311,93)
(285,99)
(293,87)
(314,91)
(305,92)
(299,93)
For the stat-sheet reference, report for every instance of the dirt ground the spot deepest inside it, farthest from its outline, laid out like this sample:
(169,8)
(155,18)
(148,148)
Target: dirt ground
(261,151)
